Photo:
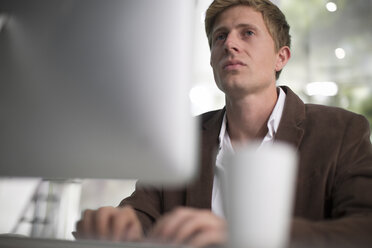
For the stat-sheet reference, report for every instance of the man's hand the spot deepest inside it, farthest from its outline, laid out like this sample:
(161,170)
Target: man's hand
(190,226)
(109,223)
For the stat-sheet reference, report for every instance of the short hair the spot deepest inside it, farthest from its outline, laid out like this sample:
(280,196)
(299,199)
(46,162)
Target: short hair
(273,17)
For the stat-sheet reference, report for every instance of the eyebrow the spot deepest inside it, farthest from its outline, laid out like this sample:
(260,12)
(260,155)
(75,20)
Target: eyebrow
(241,25)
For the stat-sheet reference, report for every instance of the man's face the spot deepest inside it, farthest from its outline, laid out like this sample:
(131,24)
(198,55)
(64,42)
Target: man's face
(243,55)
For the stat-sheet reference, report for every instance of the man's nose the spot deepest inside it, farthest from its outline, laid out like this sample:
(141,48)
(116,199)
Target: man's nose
(231,43)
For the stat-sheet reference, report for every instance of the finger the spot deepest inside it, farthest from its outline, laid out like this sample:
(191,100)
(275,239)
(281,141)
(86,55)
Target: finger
(201,221)
(169,225)
(119,223)
(134,232)
(165,226)
(126,225)
(85,224)
(102,222)
(208,238)
(156,234)
(188,229)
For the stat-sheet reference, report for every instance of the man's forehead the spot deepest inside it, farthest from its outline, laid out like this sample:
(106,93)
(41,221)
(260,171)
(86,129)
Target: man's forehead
(237,16)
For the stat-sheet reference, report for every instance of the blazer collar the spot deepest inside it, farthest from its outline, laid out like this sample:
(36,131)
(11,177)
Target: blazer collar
(290,129)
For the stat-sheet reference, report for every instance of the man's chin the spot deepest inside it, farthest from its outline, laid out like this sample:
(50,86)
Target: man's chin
(239,88)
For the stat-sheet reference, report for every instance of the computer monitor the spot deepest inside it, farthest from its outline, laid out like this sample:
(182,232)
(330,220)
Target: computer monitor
(97,89)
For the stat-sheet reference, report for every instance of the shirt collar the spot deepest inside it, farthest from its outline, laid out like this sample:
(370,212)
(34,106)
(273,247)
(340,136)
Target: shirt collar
(276,115)
(272,124)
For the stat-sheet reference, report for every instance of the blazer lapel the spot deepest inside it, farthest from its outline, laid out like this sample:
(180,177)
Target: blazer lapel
(290,129)
(197,192)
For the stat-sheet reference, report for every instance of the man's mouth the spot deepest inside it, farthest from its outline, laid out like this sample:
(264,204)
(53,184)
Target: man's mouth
(232,64)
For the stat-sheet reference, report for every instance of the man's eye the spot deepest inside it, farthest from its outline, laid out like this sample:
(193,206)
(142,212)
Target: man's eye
(249,33)
(220,37)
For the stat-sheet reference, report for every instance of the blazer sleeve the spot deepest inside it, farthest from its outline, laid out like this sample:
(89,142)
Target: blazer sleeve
(147,202)
(151,202)
(350,224)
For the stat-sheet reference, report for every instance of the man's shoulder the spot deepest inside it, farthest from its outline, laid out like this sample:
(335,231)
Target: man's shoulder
(204,117)
(336,118)
(329,112)
(310,112)
(211,120)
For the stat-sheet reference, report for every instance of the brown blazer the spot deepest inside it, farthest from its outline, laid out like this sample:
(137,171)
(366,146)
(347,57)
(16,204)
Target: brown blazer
(333,202)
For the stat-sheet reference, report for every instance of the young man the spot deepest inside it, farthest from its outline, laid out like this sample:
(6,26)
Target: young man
(249,41)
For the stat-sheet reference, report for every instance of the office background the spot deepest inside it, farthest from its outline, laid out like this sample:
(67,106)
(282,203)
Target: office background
(331,64)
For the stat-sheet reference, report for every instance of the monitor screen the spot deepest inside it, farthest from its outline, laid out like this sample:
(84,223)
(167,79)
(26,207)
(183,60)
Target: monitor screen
(97,89)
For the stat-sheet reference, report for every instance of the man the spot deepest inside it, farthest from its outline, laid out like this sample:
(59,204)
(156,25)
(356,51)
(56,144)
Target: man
(249,41)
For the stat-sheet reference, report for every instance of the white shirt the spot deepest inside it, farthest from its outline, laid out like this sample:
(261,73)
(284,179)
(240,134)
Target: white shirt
(225,148)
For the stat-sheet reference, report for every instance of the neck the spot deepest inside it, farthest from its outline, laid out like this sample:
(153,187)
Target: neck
(247,116)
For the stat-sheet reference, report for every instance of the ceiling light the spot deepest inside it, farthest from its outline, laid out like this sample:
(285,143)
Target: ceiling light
(322,89)
(331,6)
(340,53)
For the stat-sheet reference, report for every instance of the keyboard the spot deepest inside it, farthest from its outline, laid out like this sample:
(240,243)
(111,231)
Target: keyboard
(22,242)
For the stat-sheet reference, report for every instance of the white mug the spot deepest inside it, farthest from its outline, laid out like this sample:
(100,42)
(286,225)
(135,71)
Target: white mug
(259,189)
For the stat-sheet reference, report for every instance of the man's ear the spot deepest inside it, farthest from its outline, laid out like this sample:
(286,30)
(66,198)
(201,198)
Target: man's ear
(283,57)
